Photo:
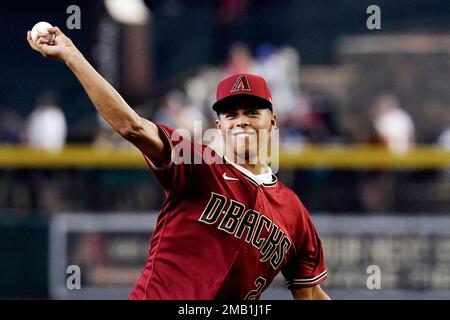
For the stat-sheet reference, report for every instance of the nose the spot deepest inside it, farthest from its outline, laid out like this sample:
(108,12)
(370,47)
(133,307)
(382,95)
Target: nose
(242,122)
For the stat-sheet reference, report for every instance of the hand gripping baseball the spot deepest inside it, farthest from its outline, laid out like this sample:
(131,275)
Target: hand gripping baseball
(60,47)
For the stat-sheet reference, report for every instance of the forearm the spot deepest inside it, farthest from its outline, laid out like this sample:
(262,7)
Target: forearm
(105,98)
(319,294)
(142,133)
(309,293)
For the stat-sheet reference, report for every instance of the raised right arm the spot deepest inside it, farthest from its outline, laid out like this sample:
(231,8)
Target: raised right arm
(113,108)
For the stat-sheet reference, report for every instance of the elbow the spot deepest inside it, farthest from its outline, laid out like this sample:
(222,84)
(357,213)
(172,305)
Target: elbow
(131,131)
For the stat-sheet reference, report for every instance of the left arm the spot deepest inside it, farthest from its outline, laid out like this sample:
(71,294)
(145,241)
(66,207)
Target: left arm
(309,293)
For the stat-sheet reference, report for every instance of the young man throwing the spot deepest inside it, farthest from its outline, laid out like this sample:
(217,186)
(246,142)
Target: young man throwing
(227,227)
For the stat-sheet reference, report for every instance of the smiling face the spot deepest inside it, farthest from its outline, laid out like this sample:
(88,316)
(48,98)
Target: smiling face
(246,130)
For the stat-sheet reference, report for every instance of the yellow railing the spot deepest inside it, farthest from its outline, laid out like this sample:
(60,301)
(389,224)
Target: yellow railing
(365,156)
(339,157)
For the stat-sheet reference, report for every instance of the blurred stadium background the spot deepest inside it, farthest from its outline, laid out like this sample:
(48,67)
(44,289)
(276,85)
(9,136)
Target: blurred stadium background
(364,123)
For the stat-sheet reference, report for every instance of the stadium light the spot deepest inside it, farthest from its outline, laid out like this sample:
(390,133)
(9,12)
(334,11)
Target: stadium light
(133,12)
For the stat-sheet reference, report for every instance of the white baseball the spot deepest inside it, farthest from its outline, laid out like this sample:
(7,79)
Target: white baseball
(40,27)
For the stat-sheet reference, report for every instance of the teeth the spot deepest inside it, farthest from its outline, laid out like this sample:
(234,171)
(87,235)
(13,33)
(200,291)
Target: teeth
(243,133)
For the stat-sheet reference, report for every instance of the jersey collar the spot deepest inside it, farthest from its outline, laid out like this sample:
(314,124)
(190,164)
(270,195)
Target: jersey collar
(267,179)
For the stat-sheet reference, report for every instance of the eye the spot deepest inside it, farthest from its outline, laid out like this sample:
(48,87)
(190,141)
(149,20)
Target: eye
(230,114)
(253,112)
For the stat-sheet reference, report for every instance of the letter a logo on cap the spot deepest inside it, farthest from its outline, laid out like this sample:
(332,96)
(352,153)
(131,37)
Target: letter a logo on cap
(241,84)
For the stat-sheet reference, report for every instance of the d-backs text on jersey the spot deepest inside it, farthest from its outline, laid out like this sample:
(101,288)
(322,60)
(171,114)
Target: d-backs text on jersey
(236,220)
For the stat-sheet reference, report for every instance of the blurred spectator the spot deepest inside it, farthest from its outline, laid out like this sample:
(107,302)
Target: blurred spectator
(314,120)
(394,128)
(444,139)
(239,60)
(177,113)
(197,93)
(280,68)
(10,126)
(393,124)
(46,126)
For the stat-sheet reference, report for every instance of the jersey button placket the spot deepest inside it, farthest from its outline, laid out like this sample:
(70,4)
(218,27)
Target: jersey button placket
(261,207)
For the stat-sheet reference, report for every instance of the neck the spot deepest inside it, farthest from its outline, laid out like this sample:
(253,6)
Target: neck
(255,166)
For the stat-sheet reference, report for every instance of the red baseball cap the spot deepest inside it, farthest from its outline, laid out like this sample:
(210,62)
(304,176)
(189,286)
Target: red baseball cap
(243,85)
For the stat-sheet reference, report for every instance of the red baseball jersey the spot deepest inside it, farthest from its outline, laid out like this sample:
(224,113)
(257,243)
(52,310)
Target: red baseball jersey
(221,234)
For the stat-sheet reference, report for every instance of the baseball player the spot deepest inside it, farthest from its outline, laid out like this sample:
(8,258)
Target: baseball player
(227,226)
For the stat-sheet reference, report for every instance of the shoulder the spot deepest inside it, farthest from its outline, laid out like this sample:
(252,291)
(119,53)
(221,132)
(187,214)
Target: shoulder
(300,213)
(181,137)
(290,195)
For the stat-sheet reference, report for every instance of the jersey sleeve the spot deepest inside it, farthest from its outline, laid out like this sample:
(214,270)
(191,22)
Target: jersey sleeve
(307,268)
(176,170)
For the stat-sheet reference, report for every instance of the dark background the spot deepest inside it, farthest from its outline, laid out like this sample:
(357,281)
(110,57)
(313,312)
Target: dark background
(194,35)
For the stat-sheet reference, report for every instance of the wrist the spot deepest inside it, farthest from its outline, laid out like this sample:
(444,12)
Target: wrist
(72,56)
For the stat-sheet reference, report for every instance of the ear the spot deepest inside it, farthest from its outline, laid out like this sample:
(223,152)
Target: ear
(218,125)
(273,122)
